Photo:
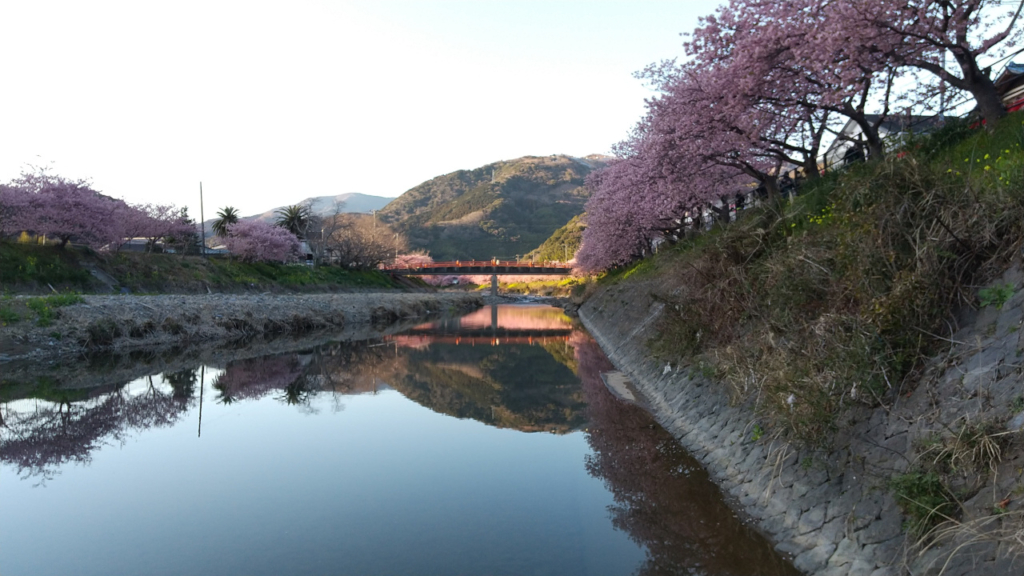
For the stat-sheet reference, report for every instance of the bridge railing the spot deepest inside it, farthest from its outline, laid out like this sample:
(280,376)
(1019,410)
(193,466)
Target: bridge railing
(481,264)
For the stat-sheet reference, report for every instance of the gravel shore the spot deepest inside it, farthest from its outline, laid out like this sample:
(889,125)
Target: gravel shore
(130,322)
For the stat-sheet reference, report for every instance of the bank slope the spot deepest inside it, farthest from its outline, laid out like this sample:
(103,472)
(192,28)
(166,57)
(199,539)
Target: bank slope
(847,365)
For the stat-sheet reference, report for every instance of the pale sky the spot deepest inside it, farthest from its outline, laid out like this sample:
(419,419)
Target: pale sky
(268,103)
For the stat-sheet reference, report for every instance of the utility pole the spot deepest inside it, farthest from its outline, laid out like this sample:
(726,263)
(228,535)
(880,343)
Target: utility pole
(202,387)
(202,220)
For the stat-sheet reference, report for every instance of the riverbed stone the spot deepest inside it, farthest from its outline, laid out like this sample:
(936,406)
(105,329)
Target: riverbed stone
(861,568)
(846,551)
(833,531)
(811,520)
(889,526)
(814,559)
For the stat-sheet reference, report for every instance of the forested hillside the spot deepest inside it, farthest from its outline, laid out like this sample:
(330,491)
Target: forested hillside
(499,210)
(563,243)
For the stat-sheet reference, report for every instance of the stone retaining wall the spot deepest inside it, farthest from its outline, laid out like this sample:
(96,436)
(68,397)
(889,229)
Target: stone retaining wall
(833,514)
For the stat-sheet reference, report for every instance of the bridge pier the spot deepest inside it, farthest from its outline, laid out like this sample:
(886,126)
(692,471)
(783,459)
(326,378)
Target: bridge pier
(494,284)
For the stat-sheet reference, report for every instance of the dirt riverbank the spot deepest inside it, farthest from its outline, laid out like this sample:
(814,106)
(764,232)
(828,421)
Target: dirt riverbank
(122,323)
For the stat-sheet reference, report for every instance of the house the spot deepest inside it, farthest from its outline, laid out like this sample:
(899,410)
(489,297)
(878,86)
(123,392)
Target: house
(135,245)
(1010,86)
(849,143)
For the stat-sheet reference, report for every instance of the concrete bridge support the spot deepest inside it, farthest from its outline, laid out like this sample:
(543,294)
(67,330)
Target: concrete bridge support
(494,284)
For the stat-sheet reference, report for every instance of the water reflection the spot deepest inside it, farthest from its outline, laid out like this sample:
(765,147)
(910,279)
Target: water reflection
(66,427)
(494,325)
(509,367)
(663,497)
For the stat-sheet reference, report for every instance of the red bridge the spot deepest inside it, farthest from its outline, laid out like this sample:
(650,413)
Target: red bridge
(476,267)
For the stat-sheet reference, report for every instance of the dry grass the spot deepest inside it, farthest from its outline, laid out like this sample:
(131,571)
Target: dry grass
(968,448)
(836,298)
(1005,528)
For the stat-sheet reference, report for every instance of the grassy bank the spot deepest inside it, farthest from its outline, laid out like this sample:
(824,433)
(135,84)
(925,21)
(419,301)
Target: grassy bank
(837,310)
(564,287)
(809,307)
(34,269)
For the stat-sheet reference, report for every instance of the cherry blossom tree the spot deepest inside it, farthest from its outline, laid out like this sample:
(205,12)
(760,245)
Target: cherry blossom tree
(182,232)
(65,209)
(255,240)
(788,58)
(625,210)
(13,202)
(412,260)
(918,34)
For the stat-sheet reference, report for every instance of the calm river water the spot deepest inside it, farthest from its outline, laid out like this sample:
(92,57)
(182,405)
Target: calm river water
(483,445)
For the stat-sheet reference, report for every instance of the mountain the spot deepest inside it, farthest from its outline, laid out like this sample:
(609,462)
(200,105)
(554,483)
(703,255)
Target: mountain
(563,243)
(499,210)
(322,206)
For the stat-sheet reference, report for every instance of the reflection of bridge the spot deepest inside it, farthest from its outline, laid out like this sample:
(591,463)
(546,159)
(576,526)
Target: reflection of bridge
(477,267)
(453,331)
(491,332)
(418,340)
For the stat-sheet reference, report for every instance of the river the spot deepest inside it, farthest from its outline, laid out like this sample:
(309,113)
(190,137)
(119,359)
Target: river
(486,444)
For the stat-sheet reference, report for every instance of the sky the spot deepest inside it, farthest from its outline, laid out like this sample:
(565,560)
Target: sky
(268,103)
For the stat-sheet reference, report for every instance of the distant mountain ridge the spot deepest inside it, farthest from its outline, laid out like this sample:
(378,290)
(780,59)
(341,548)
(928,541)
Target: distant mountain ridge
(353,202)
(324,205)
(501,210)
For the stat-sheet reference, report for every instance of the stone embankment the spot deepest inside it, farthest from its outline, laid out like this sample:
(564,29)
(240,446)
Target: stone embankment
(834,513)
(121,323)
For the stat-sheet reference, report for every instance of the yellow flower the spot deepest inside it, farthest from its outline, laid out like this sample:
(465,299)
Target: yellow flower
(988,167)
(986,156)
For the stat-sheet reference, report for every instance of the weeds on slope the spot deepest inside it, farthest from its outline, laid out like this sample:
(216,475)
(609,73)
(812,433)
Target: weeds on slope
(805,308)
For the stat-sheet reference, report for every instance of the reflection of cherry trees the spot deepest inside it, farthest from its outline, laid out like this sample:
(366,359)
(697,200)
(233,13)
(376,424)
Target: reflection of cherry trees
(296,379)
(663,497)
(38,437)
(257,377)
(38,442)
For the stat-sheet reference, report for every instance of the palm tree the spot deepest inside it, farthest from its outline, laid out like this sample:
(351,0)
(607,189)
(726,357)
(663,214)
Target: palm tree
(225,218)
(293,218)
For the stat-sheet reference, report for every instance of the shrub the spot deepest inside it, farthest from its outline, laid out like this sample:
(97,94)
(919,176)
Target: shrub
(924,499)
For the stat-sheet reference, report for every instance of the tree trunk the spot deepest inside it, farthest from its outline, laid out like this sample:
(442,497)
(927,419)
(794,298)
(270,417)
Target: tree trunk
(771,185)
(975,81)
(811,168)
(876,151)
(978,83)
(989,103)
(722,213)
